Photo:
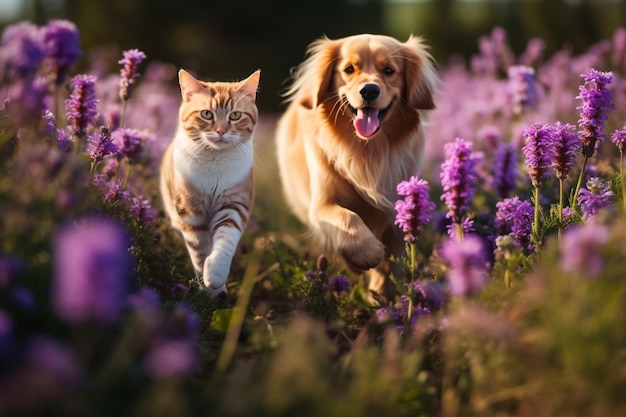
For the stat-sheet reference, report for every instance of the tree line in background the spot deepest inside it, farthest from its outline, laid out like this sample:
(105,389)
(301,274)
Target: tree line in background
(226,40)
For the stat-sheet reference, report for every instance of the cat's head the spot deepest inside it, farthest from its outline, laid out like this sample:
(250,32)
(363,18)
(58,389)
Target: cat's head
(218,114)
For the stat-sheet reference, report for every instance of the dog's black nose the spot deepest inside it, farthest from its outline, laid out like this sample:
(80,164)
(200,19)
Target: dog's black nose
(370,92)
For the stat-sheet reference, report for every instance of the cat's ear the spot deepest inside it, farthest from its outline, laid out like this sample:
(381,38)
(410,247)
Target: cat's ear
(251,84)
(188,84)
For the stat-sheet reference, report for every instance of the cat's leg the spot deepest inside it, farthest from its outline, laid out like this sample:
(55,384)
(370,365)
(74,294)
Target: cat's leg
(217,265)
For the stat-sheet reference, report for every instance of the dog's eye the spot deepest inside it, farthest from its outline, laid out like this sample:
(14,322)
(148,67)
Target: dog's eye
(389,71)
(349,69)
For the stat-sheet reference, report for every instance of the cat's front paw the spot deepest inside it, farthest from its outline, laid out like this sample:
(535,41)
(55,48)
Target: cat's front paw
(215,292)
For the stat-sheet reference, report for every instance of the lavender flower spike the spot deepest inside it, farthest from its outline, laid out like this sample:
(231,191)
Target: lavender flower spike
(21,51)
(596,102)
(128,73)
(415,210)
(581,249)
(538,151)
(100,145)
(467,274)
(81,107)
(566,144)
(458,178)
(62,48)
(522,87)
(505,169)
(619,138)
(597,196)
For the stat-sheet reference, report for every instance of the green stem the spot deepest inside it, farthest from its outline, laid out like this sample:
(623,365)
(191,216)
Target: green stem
(459,231)
(621,178)
(560,229)
(574,202)
(241,306)
(536,238)
(507,277)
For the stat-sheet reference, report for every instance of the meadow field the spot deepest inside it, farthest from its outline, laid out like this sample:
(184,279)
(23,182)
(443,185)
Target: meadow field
(512,300)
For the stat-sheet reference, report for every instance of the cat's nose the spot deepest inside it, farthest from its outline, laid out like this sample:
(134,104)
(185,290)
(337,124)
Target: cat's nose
(220,131)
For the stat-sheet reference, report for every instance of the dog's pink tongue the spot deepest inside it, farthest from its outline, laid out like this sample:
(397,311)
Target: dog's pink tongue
(366,121)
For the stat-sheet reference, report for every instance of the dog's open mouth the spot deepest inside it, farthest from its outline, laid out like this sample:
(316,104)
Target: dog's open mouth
(367,120)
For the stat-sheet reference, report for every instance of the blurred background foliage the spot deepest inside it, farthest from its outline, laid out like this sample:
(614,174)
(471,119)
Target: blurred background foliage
(226,40)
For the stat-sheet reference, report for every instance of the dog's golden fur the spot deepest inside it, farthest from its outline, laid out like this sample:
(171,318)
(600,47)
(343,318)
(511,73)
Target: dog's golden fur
(340,174)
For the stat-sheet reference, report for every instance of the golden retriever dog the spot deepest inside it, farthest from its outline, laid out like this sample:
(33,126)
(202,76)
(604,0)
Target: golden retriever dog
(351,133)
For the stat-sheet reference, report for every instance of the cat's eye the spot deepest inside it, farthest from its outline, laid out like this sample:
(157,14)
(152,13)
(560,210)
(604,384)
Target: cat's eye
(236,115)
(206,114)
(349,69)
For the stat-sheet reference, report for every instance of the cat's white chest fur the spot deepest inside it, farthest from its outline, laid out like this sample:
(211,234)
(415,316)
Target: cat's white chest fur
(212,172)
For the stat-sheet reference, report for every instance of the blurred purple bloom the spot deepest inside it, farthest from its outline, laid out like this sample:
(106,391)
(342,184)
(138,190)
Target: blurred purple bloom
(566,144)
(64,140)
(100,144)
(49,356)
(522,87)
(458,178)
(619,138)
(596,102)
(618,57)
(538,151)
(128,73)
(21,51)
(50,122)
(515,217)
(415,210)
(491,135)
(81,107)
(467,274)
(145,298)
(92,271)
(10,267)
(170,358)
(184,322)
(339,284)
(129,143)
(62,47)
(597,196)
(581,249)
(505,169)
(25,101)
(535,48)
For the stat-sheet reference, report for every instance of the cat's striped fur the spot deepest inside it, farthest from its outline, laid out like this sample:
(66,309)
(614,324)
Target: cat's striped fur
(207,178)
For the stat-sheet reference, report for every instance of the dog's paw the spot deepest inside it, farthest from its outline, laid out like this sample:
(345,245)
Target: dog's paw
(362,253)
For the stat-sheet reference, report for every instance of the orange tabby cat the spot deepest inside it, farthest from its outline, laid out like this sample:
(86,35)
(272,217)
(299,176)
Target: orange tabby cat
(207,181)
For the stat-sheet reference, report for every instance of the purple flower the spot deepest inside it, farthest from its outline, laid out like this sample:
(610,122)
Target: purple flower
(64,140)
(169,358)
(566,144)
(538,151)
(619,138)
(128,73)
(100,144)
(514,217)
(522,87)
(415,210)
(10,267)
(581,249)
(62,47)
(505,169)
(339,284)
(596,102)
(597,196)
(129,143)
(92,267)
(25,101)
(458,178)
(467,225)
(143,211)
(112,190)
(21,51)
(467,274)
(81,107)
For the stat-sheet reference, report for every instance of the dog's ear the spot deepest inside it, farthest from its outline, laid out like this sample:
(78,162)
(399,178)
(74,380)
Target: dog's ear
(420,78)
(313,78)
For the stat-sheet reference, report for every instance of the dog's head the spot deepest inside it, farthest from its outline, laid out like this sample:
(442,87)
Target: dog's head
(366,79)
